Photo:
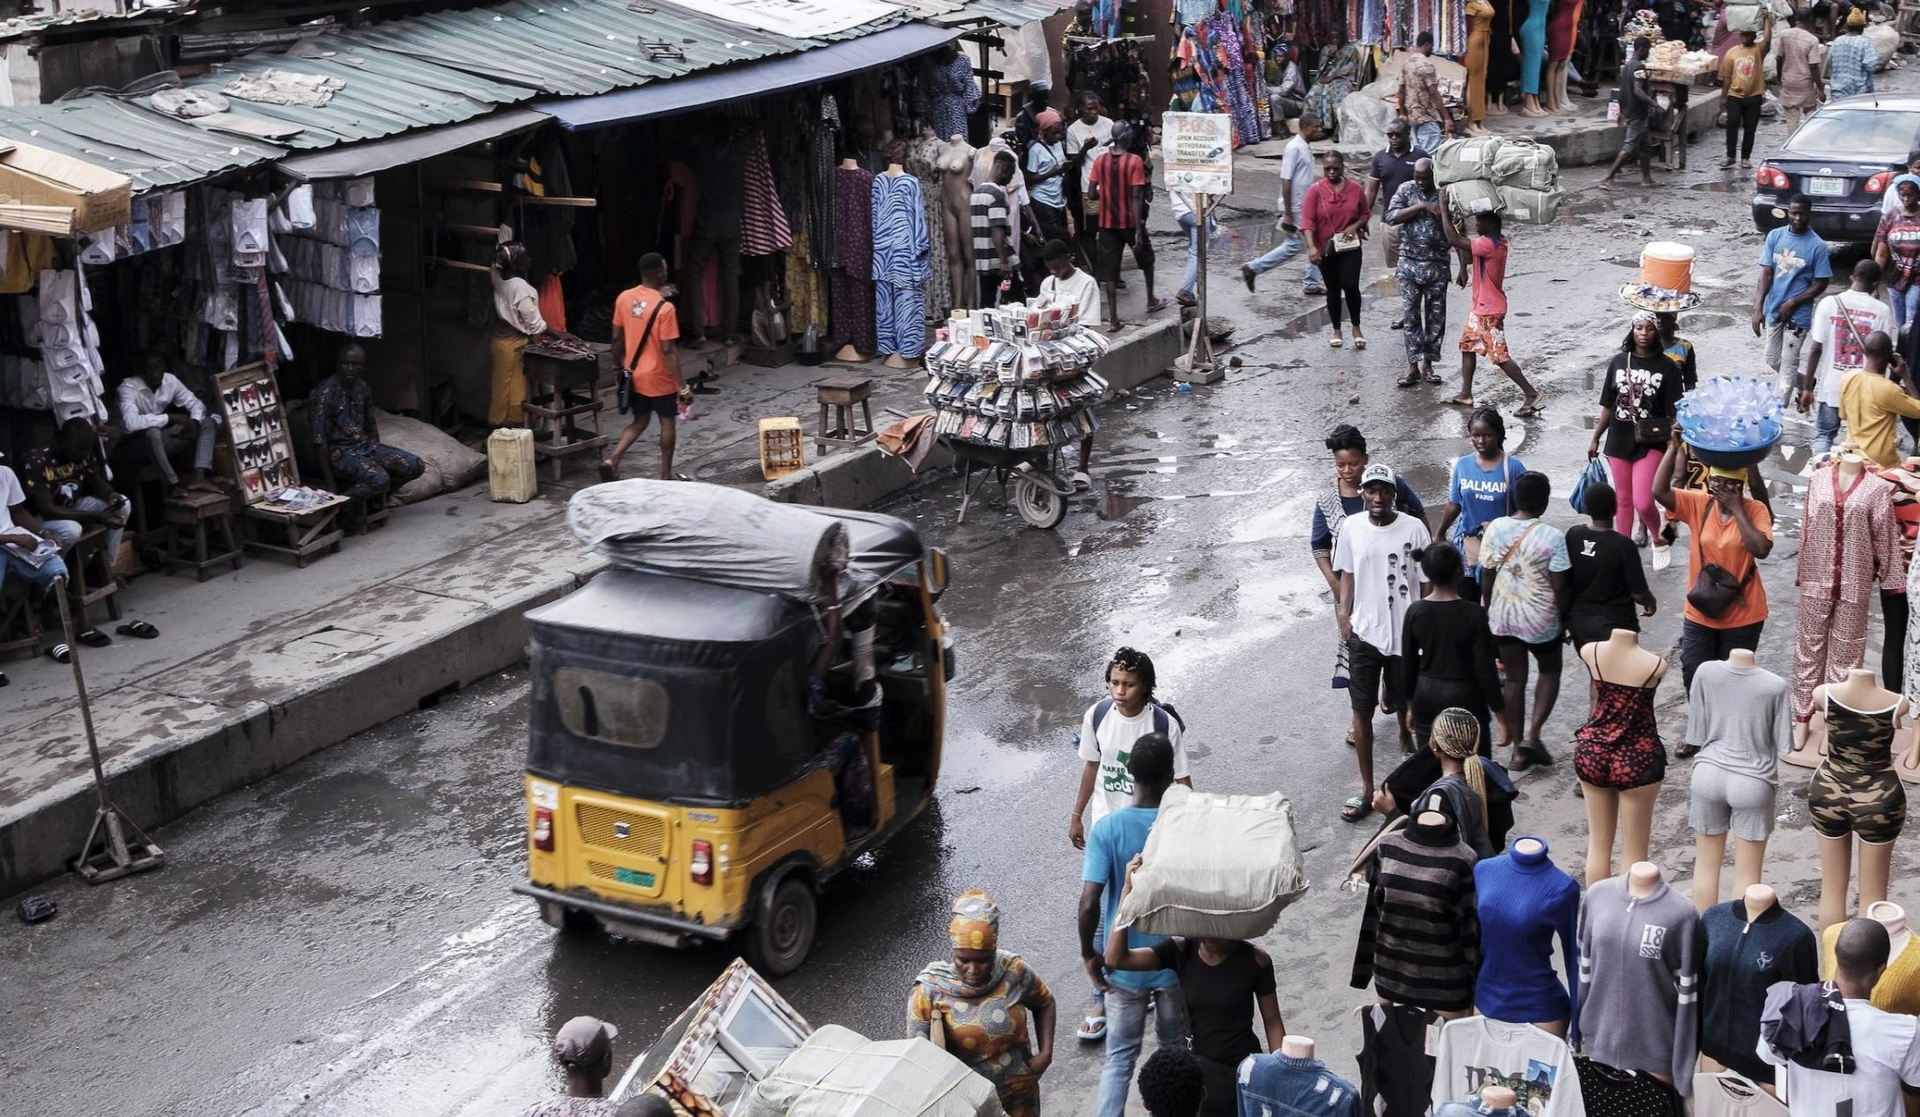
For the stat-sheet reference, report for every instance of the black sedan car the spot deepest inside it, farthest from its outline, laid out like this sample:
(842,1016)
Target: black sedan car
(1845,157)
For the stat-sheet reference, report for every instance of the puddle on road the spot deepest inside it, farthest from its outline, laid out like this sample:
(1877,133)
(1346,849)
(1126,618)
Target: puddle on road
(1719,187)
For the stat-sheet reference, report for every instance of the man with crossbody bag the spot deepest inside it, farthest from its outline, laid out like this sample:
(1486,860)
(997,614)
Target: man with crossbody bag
(645,328)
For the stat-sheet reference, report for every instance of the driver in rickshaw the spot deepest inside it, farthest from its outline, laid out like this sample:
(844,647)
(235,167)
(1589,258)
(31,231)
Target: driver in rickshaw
(852,699)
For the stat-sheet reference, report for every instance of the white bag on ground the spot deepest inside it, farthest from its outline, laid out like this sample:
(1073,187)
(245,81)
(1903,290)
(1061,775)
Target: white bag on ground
(1216,866)
(839,1073)
(1460,160)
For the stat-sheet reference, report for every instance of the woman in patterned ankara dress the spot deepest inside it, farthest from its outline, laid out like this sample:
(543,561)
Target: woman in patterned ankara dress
(976,1005)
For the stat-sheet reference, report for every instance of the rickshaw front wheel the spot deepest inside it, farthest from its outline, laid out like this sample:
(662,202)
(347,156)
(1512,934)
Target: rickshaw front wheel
(780,939)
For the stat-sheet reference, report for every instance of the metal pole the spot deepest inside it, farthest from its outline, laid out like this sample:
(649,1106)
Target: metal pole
(118,858)
(1202,209)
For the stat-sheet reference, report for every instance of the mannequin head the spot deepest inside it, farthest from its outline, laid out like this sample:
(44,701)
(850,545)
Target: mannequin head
(1860,956)
(1172,1083)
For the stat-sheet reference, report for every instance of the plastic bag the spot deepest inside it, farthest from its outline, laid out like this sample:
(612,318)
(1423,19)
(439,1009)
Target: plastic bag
(1594,474)
(1216,866)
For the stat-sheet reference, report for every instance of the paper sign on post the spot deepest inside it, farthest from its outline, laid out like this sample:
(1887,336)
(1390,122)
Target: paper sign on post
(1198,150)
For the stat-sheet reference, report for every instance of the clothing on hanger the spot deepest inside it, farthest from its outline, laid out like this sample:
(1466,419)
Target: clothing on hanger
(1535,1064)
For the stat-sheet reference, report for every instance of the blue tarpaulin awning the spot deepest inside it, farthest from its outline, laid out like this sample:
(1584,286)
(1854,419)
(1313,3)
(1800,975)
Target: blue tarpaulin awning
(749,79)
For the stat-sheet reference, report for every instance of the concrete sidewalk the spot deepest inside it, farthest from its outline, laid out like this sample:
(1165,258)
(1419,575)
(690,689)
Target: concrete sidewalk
(259,668)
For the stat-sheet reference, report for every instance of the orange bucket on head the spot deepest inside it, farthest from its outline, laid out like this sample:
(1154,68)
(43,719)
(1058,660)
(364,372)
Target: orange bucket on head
(1668,265)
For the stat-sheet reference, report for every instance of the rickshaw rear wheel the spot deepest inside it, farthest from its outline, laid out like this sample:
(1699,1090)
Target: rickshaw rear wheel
(1039,505)
(568,919)
(782,936)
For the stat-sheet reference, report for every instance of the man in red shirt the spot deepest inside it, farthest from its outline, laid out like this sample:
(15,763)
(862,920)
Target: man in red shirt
(645,328)
(1484,258)
(1118,181)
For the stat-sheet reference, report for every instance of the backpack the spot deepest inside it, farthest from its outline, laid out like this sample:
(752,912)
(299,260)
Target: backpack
(1164,716)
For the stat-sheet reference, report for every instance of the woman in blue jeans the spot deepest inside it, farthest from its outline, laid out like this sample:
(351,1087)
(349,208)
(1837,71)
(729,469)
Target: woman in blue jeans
(1224,982)
(1896,248)
(1182,201)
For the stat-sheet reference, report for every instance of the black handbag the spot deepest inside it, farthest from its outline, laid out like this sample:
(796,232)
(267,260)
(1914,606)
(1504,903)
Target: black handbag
(1716,589)
(1649,429)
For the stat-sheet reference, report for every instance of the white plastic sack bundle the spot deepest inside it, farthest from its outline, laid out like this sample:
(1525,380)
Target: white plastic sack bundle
(711,533)
(1526,163)
(1216,866)
(1460,160)
(839,1073)
(1535,207)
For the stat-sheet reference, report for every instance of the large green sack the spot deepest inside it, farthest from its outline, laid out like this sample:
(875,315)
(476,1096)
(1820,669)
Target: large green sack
(1526,164)
(1536,207)
(1460,160)
(1474,196)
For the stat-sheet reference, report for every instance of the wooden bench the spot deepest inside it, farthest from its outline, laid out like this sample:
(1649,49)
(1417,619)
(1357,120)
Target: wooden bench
(200,533)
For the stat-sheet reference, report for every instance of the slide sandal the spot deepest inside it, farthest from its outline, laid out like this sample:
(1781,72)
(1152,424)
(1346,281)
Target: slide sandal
(94,638)
(1355,809)
(60,653)
(1092,1028)
(140,629)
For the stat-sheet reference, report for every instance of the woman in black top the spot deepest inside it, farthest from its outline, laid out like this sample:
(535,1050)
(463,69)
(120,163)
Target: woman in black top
(1643,385)
(1447,652)
(1607,577)
(1223,982)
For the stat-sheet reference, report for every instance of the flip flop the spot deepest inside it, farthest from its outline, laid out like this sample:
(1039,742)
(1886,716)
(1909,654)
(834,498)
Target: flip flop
(1459,401)
(141,629)
(94,638)
(1435,378)
(60,653)
(1533,408)
(1335,343)
(1355,809)
(1359,343)
(1092,1029)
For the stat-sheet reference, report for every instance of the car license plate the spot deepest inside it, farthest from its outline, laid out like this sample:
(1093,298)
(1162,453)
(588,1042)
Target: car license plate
(1827,187)
(633,877)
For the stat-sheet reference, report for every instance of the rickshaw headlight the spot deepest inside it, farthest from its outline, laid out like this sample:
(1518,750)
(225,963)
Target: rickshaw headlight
(700,865)
(543,829)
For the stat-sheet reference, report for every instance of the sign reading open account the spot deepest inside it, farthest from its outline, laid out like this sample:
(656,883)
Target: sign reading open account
(1198,150)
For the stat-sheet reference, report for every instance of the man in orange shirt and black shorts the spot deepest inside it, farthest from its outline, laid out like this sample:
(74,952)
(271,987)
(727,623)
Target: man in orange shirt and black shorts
(645,328)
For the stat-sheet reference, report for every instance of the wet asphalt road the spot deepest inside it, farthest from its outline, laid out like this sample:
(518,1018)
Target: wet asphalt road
(340,939)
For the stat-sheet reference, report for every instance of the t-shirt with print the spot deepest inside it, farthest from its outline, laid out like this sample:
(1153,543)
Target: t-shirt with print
(64,483)
(1111,745)
(1522,556)
(1637,388)
(1489,275)
(1085,138)
(1112,843)
(1840,346)
(651,376)
(1797,259)
(1385,576)
(1604,573)
(1901,231)
(990,213)
(1719,542)
(1740,69)
(1480,493)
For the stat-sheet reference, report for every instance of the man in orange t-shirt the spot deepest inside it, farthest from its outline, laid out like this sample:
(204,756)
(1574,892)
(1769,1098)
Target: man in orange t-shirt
(645,328)
(1731,530)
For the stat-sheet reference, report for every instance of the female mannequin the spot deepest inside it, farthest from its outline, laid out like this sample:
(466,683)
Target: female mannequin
(1856,792)
(956,213)
(1619,757)
(900,262)
(1531,40)
(922,161)
(850,283)
(1479,39)
(1563,26)
(1849,541)
(1739,718)
(1525,900)
(1638,937)
(1748,944)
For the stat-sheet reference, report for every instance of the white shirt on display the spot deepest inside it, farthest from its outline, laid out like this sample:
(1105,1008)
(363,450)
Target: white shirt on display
(1885,1054)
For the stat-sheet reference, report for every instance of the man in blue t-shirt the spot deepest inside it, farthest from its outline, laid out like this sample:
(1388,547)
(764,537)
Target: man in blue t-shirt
(1794,270)
(1112,844)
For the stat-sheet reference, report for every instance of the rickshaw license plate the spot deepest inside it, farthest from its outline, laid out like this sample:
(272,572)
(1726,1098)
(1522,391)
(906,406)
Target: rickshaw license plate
(1827,187)
(634,877)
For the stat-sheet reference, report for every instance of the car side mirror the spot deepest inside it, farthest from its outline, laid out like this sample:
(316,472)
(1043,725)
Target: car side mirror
(936,571)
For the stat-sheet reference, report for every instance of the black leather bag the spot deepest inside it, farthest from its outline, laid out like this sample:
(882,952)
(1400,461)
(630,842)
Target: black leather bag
(1716,589)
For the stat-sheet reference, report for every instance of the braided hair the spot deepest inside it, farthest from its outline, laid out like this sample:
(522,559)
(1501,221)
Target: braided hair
(1456,736)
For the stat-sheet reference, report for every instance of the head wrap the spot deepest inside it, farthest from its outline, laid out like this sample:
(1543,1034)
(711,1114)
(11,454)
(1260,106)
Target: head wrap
(583,1041)
(1718,473)
(1042,84)
(1856,18)
(1047,119)
(976,922)
(1646,316)
(1915,179)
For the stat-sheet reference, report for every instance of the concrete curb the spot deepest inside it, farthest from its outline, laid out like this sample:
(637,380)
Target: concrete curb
(862,477)
(1591,147)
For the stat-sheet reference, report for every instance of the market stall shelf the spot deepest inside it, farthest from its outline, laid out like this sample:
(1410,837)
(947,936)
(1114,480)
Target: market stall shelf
(260,453)
(298,532)
(564,378)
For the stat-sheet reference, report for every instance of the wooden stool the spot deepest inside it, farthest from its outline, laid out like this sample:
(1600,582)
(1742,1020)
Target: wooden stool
(369,513)
(560,394)
(20,628)
(195,523)
(297,535)
(841,393)
(91,580)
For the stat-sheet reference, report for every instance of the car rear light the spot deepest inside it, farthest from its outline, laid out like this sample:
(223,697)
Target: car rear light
(700,865)
(1771,178)
(543,829)
(1878,183)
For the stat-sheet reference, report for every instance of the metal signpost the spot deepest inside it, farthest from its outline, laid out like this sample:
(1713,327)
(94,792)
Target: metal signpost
(1197,150)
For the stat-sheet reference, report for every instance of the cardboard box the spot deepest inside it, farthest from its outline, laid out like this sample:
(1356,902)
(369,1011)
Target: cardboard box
(99,198)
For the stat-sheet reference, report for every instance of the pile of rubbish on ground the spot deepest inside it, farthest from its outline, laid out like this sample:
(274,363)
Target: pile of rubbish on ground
(1516,178)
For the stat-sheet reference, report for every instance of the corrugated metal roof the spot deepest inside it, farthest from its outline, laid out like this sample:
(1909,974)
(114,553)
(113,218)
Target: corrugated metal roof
(151,149)
(444,68)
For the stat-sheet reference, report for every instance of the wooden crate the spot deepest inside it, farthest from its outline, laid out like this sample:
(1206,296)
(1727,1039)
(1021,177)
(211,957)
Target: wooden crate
(783,447)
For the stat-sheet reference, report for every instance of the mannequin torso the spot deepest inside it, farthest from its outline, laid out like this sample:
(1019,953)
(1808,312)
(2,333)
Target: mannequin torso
(1894,918)
(1738,722)
(956,210)
(1525,901)
(1748,944)
(1637,932)
(1856,792)
(1620,659)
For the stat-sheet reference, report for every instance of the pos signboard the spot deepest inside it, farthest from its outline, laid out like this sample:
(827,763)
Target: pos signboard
(1198,150)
